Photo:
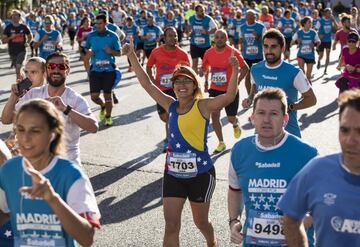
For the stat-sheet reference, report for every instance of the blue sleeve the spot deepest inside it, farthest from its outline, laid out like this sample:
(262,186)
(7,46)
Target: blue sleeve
(294,202)
(117,45)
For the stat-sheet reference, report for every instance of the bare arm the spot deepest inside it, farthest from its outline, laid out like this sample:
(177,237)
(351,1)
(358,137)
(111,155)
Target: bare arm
(294,232)
(235,207)
(3,218)
(161,98)
(243,71)
(308,99)
(7,114)
(150,74)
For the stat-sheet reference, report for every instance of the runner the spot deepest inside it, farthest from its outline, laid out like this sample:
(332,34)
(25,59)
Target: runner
(102,46)
(81,36)
(216,60)
(131,33)
(150,34)
(18,36)
(275,72)
(328,187)
(165,58)
(72,26)
(342,34)
(251,44)
(287,26)
(48,40)
(65,205)
(200,28)
(34,24)
(266,18)
(307,39)
(261,167)
(325,27)
(195,178)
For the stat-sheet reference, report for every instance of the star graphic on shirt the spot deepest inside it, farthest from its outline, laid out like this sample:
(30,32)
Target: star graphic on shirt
(57,236)
(275,207)
(262,198)
(205,163)
(188,152)
(35,235)
(198,159)
(172,135)
(252,198)
(45,235)
(271,198)
(257,205)
(266,206)
(178,145)
(8,233)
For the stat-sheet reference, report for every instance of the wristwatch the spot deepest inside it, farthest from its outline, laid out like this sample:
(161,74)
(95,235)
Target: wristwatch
(291,107)
(67,110)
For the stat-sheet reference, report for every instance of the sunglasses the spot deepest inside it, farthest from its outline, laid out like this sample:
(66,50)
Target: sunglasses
(183,81)
(352,41)
(60,66)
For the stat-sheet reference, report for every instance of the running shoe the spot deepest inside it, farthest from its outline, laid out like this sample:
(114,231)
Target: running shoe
(164,145)
(115,99)
(220,148)
(108,121)
(237,131)
(102,114)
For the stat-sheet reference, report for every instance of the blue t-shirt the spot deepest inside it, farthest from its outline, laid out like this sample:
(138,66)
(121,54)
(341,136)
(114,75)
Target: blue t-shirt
(325,29)
(288,27)
(154,33)
(6,235)
(160,20)
(307,43)
(33,25)
(332,195)
(252,43)
(282,76)
(197,26)
(101,60)
(33,219)
(264,175)
(48,46)
(131,32)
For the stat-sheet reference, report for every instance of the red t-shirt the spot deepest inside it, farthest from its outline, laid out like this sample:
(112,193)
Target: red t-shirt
(267,20)
(82,34)
(165,62)
(341,36)
(220,67)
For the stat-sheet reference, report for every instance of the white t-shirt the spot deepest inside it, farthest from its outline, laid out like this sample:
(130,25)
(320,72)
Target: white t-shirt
(72,130)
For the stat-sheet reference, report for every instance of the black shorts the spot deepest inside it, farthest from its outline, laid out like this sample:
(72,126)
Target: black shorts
(308,61)
(287,44)
(198,189)
(324,45)
(160,109)
(101,81)
(232,108)
(148,52)
(72,34)
(18,58)
(250,62)
(197,52)
(140,46)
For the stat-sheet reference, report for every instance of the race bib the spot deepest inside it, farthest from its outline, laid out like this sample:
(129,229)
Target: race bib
(39,240)
(231,32)
(199,40)
(48,46)
(264,228)
(327,28)
(165,80)
(102,63)
(151,36)
(305,49)
(182,165)
(252,50)
(288,30)
(219,78)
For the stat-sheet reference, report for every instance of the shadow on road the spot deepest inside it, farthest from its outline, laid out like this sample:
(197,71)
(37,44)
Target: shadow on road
(133,204)
(320,115)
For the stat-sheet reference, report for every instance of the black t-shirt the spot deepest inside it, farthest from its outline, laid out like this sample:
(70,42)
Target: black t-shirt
(17,44)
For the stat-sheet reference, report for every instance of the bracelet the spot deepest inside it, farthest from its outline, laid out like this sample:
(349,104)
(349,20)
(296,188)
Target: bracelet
(67,110)
(232,220)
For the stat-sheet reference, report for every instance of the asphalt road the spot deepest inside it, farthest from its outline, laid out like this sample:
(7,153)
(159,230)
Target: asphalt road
(125,162)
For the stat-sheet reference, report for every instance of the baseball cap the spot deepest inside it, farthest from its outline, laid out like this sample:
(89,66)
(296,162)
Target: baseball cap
(353,36)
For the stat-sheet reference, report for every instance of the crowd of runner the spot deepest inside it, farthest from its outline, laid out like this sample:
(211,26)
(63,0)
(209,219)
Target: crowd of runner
(290,195)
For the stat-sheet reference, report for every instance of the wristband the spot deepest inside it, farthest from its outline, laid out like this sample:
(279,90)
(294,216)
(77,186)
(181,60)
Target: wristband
(232,220)
(67,110)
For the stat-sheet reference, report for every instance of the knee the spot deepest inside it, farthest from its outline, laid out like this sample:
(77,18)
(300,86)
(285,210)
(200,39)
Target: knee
(95,98)
(172,226)
(202,224)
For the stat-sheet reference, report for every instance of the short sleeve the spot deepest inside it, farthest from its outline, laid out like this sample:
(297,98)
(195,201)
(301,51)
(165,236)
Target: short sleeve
(3,202)
(301,83)
(234,182)
(82,105)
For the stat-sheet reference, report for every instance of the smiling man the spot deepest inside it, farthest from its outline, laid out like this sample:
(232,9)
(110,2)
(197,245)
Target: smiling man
(261,167)
(275,72)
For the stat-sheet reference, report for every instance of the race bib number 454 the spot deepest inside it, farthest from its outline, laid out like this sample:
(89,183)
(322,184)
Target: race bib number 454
(264,228)
(182,165)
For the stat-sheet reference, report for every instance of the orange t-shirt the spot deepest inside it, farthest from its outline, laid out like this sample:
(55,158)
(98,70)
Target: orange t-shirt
(267,20)
(165,62)
(219,65)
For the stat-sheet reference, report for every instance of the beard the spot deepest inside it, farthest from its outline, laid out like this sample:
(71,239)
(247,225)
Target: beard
(272,59)
(55,83)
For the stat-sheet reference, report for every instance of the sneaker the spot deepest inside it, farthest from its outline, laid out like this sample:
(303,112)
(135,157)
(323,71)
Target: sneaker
(237,131)
(115,99)
(102,114)
(108,121)
(221,147)
(164,145)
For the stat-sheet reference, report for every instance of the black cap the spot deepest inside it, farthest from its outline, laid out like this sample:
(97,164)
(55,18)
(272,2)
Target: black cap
(353,36)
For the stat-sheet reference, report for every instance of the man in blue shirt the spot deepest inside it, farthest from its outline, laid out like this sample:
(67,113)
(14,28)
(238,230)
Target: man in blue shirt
(275,72)
(329,187)
(102,46)
(261,167)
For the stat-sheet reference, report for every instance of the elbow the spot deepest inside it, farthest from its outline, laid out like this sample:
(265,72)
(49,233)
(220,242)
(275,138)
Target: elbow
(94,127)
(88,239)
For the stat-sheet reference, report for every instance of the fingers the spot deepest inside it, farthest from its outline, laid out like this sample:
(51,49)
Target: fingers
(236,237)
(232,52)
(35,175)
